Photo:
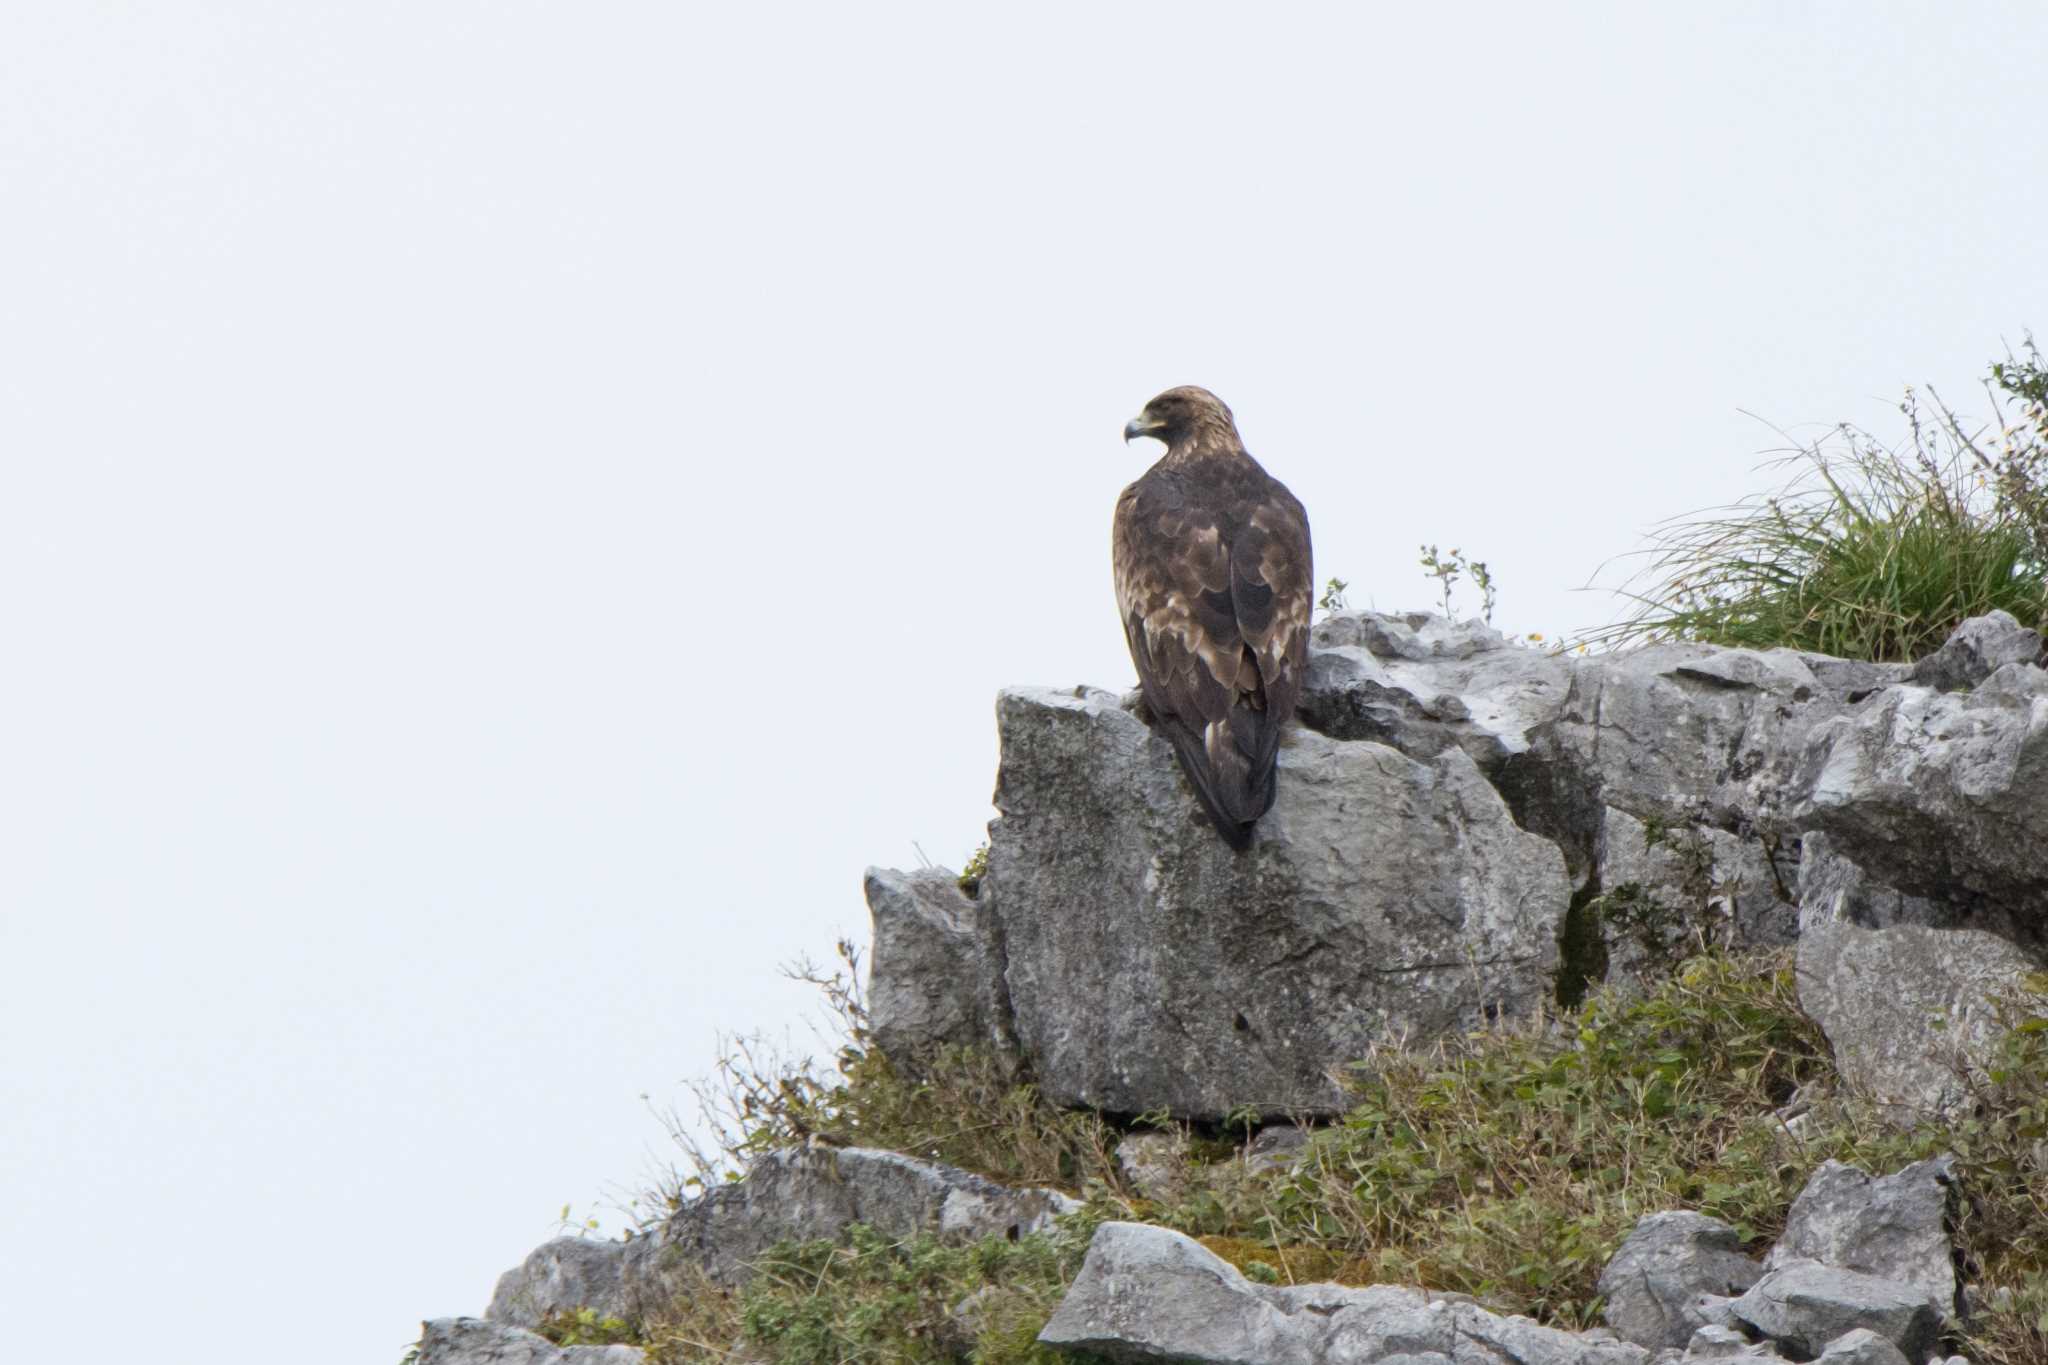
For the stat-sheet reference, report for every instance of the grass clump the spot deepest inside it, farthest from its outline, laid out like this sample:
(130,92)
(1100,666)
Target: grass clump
(873,1298)
(1868,551)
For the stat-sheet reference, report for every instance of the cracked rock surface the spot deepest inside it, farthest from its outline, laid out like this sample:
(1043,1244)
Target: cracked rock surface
(1151,967)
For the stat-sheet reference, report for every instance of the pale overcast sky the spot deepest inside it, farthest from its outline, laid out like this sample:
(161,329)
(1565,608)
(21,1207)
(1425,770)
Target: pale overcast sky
(506,508)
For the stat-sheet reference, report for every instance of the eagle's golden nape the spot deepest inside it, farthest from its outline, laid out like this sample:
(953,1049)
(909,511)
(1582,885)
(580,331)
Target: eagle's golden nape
(1213,573)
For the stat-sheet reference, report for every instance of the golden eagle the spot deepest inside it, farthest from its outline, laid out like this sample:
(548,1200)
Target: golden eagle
(1213,577)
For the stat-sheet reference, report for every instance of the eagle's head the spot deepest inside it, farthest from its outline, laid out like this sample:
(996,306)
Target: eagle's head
(1182,416)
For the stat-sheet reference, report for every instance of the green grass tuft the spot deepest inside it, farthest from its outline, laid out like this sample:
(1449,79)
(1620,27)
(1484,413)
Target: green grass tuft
(1869,551)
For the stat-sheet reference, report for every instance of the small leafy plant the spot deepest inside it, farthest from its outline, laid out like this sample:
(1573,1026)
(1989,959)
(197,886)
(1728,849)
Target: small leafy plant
(1448,569)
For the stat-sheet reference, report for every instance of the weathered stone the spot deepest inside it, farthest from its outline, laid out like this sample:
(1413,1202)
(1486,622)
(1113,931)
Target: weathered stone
(1277,1147)
(1713,1342)
(1149,966)
(817,1192)
(1421,684)
(1895,1227)
(473,1341)
(1910,995)
(1694,734)
(931,980)
(1154,1165)
(1668,889)
(1862,1347)
(1654,1282)
(1975,650)
(1943,795)
(1149,1294)
(1803,1305)
(561,1276)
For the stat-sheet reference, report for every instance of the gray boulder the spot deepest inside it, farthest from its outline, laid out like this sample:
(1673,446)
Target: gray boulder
(1895,1227)
(1715,1342)
(1149,966)
(562,1276)
(1149,1294)
(933,978)
(1665,890)
(1862,1347)
(1653,1285)
(1278,1147)
(1803,1305)
(1154,1165)
(1978,648)
(815,1193)
(472,1341)
(1909,991)
(1943,795)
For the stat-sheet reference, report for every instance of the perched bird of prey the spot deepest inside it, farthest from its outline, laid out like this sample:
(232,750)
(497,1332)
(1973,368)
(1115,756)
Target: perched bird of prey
(1213,577)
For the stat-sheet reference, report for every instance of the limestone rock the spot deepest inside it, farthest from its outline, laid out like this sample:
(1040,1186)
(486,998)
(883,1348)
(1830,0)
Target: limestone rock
(815,1193)
(561,1276)
(1894,1227)
(1653,1284)
(1803,1305)
(1149,1294)
(1154,1165)
(1671,888)
(1277,1147)
(1862,1347)
(1714,1342)
(473,1341)
(1908,990)
(1976,649)
(1421,684)
(798,1195)
(931,977)
(1695,734)
(1943,795)
(1148,966)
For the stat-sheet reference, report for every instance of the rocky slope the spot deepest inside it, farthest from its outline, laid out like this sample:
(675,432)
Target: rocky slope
(1466,830)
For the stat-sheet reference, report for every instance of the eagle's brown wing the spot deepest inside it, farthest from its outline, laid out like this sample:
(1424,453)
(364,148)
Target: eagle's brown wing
(1213,583)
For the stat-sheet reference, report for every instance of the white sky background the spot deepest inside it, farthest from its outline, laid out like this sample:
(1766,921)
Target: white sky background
(506,508)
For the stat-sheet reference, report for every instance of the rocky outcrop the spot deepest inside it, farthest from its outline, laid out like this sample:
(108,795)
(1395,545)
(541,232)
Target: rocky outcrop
(1896,1227)
(1149,966)
(798,1195)
(473,1341)
(1653,1285)
(1944,795)
(1862,1276)
(934,976)
(1449,803)
(818,1192)
(1150,1294)
(1804,1306)
(560,1277)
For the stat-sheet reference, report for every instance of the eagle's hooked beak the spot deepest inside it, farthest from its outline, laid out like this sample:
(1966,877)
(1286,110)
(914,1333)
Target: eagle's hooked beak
(1141,425)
